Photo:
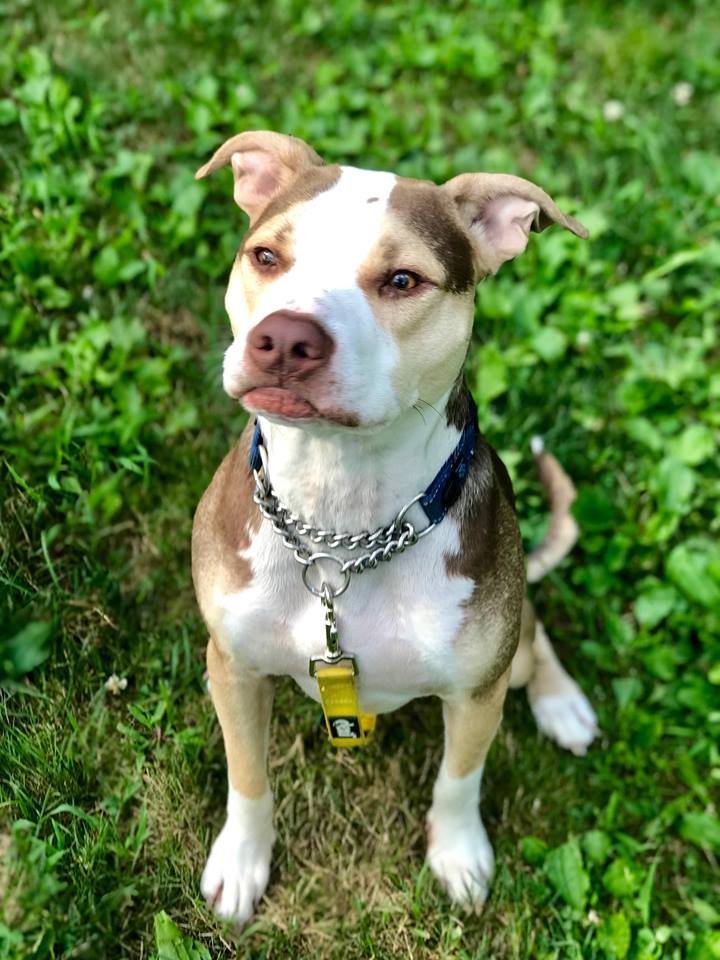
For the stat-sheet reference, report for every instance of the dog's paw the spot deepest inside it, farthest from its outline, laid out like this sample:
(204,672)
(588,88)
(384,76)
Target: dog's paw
(238,868)
(567,718)
(462,859)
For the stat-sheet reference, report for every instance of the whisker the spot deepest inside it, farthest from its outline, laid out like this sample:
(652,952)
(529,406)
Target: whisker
(429,405)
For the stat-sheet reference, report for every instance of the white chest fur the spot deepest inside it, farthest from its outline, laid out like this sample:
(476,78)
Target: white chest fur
(400,620)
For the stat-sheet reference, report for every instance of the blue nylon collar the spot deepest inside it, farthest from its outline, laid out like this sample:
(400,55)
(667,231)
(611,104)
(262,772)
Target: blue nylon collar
(448,482)
(450,479)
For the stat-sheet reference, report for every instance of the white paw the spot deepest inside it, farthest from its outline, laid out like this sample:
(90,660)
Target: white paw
(238,868)
(567,718)
(462,859)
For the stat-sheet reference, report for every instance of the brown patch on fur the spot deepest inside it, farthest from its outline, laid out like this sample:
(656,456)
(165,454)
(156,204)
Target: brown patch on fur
(314,180)
(432,216)
(385,255)
(293,153)
(523,665)
(549,679)
(274,228)
(225,521)
(263,163)
(458,406)
(243,703)
(471,725)
(341,417)
(563,530)
(491,556)
(472,192)
(279,239)
(431,324)
(254,278)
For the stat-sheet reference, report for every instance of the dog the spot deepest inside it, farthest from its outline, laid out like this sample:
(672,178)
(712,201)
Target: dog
(351,302)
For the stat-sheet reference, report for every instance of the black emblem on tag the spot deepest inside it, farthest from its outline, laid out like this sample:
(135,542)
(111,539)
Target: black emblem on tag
(346,727)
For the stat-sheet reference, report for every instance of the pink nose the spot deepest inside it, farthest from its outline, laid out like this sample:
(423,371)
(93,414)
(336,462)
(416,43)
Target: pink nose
(292,344)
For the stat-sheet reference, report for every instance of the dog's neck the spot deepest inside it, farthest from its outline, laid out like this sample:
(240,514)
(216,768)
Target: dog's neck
(348,481)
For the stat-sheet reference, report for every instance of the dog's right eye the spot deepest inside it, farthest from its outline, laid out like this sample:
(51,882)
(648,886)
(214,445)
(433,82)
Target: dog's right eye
(265,257)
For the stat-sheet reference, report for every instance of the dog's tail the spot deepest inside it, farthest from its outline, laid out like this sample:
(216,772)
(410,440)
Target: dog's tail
(563,530)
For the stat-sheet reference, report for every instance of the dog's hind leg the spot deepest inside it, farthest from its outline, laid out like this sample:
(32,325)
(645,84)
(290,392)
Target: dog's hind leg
(238,867)
(561,710)
(459,852)
(523,664)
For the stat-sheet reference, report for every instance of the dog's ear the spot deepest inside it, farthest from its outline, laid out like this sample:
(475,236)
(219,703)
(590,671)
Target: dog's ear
(263,163)
(500,210)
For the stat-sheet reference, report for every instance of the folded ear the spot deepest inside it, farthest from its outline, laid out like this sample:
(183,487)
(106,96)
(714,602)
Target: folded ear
(500,210)
(263,164)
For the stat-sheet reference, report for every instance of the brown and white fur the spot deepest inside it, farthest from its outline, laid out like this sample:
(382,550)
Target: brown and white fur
(334,354)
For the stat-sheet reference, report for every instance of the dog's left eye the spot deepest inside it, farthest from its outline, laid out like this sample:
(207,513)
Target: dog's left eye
(265,257)
(404,280)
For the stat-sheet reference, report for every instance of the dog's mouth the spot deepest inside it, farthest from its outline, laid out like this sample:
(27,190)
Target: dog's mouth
(285,403)
(281,402)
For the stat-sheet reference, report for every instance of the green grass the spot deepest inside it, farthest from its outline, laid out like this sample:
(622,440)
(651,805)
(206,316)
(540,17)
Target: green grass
(113,261)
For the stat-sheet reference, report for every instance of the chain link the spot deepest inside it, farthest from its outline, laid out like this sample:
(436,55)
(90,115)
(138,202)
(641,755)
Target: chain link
(381,544)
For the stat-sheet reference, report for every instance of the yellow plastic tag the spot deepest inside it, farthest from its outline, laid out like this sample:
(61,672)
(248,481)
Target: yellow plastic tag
(346,725)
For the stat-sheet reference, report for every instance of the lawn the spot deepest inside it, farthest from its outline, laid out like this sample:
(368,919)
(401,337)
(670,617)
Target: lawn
(113,262)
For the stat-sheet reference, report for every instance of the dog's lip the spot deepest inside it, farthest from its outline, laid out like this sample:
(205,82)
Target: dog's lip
(280,401)
(287,405)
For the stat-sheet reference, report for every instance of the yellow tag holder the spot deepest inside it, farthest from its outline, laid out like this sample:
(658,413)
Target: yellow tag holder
(346,725)
(335,673)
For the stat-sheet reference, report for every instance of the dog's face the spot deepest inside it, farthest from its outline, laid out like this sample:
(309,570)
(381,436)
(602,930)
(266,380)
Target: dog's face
(351,297)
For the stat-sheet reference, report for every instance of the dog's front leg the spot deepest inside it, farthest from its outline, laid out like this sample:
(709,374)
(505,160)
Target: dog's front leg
(459,852)
(238,867)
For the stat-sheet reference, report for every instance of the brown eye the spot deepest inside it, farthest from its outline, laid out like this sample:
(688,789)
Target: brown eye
(265,257)
(404,280)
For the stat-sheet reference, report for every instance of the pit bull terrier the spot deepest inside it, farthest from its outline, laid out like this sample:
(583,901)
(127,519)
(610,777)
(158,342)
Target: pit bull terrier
(351,305)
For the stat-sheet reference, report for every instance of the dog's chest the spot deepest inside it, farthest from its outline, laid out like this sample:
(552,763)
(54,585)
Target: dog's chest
(400,620)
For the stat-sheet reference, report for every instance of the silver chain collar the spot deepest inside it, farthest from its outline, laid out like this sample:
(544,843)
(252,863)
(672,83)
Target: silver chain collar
(381,544)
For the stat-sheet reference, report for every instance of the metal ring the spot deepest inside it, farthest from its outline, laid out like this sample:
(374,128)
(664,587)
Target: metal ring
(264,460)
(411,503)
(399,518)
(319,592)
(426,531)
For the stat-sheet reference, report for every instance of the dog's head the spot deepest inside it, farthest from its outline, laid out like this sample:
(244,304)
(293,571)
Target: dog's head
(351,297)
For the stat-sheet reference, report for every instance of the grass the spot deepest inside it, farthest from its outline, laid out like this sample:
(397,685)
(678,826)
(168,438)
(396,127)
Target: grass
(113,262)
